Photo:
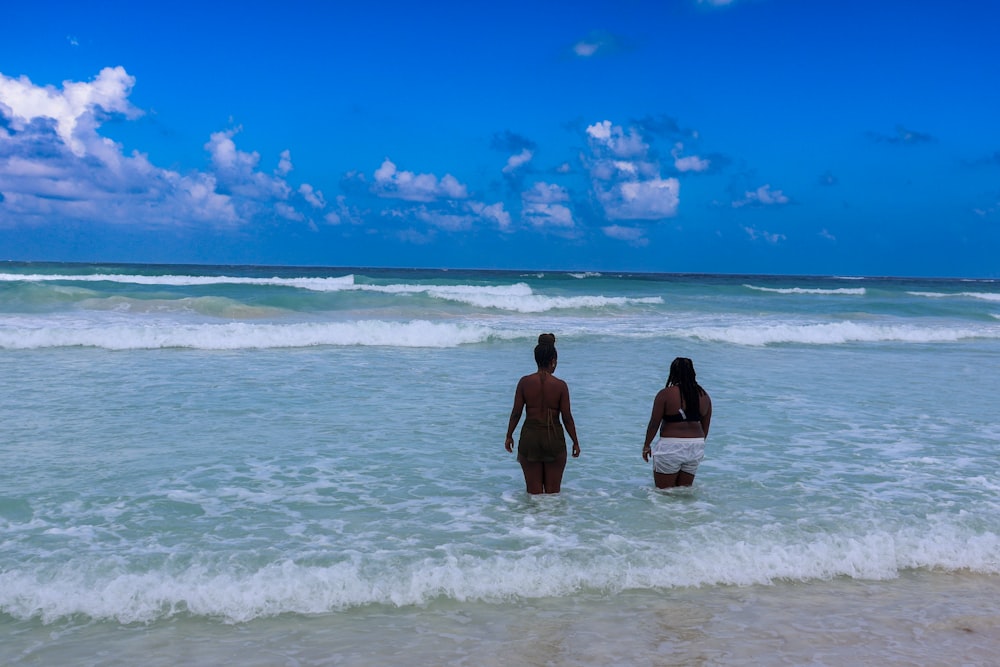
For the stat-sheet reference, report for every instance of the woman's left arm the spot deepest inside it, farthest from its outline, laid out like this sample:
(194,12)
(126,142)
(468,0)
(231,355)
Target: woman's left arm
(567,417)
(706,415)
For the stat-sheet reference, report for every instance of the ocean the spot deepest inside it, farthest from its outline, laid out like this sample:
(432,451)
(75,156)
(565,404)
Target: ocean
(304,466)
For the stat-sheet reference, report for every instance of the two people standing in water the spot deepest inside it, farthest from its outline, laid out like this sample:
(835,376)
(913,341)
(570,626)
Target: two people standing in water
(682,413)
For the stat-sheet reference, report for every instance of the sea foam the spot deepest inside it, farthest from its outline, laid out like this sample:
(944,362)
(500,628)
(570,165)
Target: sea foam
(105,591)
(850,291)
(241,335)
(517,297)
(836,333)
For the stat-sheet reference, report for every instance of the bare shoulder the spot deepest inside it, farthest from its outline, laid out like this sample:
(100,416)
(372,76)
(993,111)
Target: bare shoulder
(559,382)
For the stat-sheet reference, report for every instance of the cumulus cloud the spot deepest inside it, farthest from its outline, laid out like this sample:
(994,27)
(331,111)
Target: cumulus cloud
(757,234)
(238,174)
(690,162)
(514,162)
(494,213)
(615,141)
(626,181)
(762,196)
(55,166)
(313,196)
(284,163)
(544,206)
(288,212)
(406,185)
(650,199)
(75,109)
(343,213)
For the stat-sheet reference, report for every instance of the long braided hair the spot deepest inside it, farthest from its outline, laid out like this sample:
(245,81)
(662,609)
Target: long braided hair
(682,375)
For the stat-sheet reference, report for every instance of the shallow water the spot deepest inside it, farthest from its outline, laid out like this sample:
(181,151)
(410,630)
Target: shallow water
(921,618)
(308,468)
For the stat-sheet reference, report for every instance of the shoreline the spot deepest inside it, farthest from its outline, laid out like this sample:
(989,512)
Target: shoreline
(922,617)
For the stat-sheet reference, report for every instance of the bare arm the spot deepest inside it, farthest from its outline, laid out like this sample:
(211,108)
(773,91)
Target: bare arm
(706,415)
(653,427)
(567,417)
(515,416)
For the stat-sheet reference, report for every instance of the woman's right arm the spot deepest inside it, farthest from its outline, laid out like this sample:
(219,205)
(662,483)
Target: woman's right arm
(515,416)
(653,427)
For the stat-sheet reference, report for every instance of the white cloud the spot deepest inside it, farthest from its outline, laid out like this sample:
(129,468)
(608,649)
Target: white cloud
(516,161)
(627,168)
(288,212)
(755,234)
(313,196)
(225,155)
(343,213)
(612,139)
(56,167)
(651,199)
(625,180)
(73,109)
(492,213)
(237,171)
(284,163)
(56,189)
(390,182)
(762,196)
(544,206)
(690,162)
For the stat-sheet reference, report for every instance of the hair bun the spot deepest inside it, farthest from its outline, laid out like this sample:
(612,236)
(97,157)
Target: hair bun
(546,339)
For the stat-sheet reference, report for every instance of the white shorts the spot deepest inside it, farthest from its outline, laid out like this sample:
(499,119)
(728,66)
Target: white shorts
(672,455)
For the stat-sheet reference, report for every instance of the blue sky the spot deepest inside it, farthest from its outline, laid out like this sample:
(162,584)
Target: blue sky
(839,137)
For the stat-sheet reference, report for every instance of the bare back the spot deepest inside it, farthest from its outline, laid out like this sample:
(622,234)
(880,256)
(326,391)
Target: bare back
(543,395)
(669,402)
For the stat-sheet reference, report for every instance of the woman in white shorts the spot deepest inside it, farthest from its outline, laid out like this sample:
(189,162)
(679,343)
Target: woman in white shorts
(682,412)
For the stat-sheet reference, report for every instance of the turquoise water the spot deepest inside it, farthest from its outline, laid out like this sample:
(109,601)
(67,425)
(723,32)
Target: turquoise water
(305,466)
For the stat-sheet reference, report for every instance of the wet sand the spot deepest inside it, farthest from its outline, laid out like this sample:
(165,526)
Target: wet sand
(921,618)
